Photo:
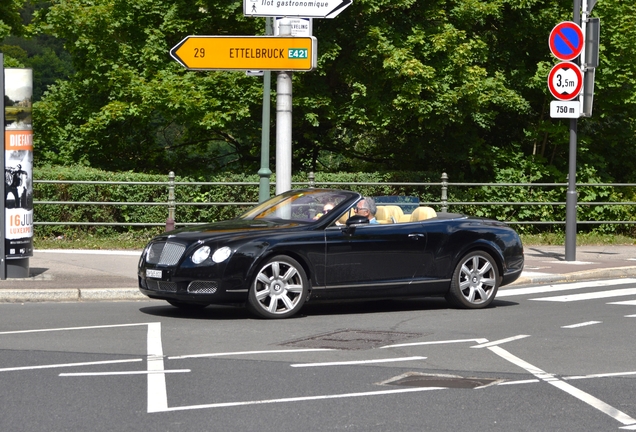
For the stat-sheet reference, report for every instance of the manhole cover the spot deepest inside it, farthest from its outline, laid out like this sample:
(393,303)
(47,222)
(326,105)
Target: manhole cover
(414,379)
(352,339)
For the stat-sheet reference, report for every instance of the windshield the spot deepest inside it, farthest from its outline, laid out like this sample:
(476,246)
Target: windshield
(304,205)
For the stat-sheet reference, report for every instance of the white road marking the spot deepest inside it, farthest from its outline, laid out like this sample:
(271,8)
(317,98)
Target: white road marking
(589,296)
(532,274)
(73,328)
(358,362)
(611,374)
(568,388)
(630,316)
(83,374)
(528,381)
(570,262)
(508,292)
(435,343)
(625,303)
(574,377)
(62,365)
(500,341)
(157,393)
(248,353)
(583,324)
(305,398)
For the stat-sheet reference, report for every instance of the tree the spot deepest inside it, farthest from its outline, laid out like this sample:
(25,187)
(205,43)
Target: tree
(11,24)
(10,20)
(129,105)
(458,86)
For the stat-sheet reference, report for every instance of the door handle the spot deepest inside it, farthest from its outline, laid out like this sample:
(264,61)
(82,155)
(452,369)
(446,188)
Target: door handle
(416,236)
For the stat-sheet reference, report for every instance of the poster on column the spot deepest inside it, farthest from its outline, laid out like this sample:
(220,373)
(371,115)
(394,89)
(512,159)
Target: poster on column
(18,163)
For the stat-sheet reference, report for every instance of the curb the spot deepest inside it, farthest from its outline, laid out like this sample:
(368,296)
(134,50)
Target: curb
(611,273)
(69,294)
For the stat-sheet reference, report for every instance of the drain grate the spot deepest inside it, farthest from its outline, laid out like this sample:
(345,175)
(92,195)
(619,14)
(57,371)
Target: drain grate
(415,379)
(352,339)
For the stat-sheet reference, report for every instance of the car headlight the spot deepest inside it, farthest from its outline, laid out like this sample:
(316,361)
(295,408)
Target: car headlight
(201,254)
(221,254)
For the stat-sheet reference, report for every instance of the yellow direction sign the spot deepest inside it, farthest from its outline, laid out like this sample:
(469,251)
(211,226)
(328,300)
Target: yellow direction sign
(247,53)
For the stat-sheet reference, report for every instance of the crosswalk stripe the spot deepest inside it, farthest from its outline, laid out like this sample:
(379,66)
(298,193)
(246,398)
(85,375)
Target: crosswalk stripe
(626,303)
(508,292)
(589,296)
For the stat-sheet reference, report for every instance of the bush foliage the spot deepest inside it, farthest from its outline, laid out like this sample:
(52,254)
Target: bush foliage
(223,196)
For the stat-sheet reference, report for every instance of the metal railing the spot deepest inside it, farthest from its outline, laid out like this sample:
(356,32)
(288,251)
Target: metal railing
(443,204)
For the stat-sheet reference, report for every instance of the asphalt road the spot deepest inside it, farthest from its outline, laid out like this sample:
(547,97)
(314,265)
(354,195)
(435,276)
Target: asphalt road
(546,357)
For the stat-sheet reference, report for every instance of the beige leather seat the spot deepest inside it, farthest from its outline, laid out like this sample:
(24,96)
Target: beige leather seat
(395,213)
(423,213)
(382,215)
(344,217)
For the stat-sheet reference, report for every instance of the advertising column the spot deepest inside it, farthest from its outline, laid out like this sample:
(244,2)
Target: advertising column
(18,171)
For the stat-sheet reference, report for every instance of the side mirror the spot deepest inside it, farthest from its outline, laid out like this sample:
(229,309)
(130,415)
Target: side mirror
(357,219)
(353,222)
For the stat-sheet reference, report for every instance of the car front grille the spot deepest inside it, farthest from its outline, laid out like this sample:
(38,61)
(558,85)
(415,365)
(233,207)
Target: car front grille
(164,253)
(203,287)
(157,285)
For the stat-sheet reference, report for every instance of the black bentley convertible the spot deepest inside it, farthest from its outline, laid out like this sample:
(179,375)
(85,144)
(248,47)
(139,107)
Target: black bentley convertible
(309,244)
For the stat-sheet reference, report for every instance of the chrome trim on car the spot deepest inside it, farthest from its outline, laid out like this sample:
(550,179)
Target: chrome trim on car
(381,284)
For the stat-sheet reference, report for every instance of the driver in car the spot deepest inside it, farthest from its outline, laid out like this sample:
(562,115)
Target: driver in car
(366,207)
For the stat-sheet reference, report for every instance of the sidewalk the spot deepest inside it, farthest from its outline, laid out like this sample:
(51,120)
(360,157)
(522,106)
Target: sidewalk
(71,275)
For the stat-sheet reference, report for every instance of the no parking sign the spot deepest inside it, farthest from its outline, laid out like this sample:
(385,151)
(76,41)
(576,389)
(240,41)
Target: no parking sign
(566,40)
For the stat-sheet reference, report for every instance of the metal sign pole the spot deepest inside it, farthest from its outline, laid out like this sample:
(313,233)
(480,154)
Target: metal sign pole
(571,198)
(284,122)
(3,213)
(265,173)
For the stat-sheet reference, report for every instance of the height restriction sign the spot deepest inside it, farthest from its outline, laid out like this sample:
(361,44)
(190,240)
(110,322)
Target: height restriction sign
(565,81)
(566,40)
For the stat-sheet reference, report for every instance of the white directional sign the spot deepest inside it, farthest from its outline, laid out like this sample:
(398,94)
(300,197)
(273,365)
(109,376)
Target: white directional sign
(565,109)
(299,26)
(294,8)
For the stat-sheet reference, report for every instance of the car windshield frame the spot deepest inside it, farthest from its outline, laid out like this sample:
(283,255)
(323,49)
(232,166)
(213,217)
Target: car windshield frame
(301,205)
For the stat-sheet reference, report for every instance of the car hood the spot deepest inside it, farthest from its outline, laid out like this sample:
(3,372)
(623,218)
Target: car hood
(229,228)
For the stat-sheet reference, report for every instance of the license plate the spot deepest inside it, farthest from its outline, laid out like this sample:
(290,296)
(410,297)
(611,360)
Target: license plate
(153,273)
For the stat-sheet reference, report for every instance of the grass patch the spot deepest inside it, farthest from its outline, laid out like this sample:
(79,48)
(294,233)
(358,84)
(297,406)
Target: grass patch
(80,240)
(582,239)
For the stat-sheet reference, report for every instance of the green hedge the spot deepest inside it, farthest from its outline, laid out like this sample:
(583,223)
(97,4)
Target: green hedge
(232,193)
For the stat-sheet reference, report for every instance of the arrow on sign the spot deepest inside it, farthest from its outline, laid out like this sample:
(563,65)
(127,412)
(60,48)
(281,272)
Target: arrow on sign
(294,8)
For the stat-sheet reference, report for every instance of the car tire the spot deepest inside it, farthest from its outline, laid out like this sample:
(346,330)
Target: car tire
(187,306)
(279,289)
(475,281)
